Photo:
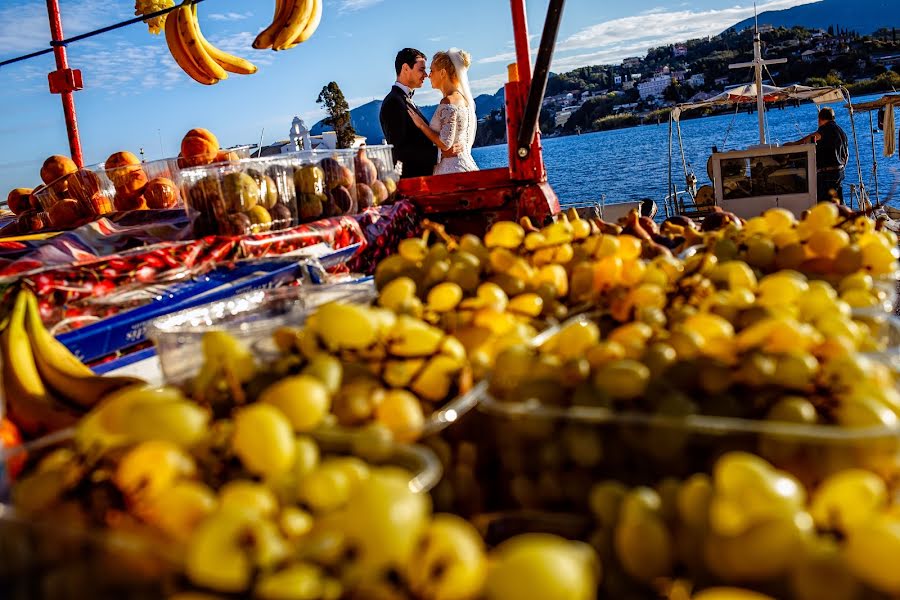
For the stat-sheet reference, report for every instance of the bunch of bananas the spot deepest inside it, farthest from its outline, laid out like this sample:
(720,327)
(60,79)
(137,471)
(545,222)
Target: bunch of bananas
(147,7)
(294,22)
(202,61)
(45,386)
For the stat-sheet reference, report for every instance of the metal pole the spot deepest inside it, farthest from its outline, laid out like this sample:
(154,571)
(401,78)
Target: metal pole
(874,159)
(760,101)
(68,101)
(523,48)
(539,82)
(669,188)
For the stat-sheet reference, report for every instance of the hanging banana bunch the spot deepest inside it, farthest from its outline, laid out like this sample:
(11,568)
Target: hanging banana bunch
(294,22)
(202,61)
(146,7)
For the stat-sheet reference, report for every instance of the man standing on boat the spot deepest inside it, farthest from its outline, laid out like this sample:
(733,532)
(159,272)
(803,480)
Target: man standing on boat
(831,156)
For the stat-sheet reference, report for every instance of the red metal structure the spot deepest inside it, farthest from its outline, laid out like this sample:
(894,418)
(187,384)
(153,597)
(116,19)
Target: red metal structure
(64,81)
(470,202)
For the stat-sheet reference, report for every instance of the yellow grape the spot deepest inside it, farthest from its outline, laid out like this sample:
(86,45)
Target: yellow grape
(298,581)
(528,304)
(345,326)
(556,276)
(859,298)
(327,369)
(215,559)
(397,292)
(451,562)
(444,297)
(795,370)
(879,259)
(263,439)
(859,280)
(575,338)
(822,574)
(181,508)
(644,546)
(779,219)
(182,422)
(604,352)
(827,243)
(871,551)
(736,273)
(629,247)
(242,494)
(294,522)
(492,295)
(303,399)
(151,468)
(781,288)
(847,499)
(693,500)
(822,216)
(730,593)
(401,412)
(504,234)
(764,551)
(413,249)
(326,488)
(605,499)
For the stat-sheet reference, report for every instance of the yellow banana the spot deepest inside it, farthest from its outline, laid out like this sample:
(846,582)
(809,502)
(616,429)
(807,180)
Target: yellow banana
(312,25)
(28,402)
(299,13)
(61,370)
(229,62)
(267,36)
(180,54)
(187,31)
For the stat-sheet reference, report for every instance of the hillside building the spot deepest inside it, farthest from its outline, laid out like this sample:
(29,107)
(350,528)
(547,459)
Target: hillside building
(654,86)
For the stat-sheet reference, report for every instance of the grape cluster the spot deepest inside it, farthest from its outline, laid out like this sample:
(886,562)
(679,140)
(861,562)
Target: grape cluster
(751,524)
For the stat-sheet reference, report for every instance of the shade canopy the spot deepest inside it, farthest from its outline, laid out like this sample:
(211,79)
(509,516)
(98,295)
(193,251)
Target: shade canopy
(877,104)
(746,93)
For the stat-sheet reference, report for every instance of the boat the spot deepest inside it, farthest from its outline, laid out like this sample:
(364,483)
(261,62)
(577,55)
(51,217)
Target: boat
(749,181)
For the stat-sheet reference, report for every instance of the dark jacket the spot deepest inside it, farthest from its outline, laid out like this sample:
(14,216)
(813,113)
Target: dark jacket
(411,146)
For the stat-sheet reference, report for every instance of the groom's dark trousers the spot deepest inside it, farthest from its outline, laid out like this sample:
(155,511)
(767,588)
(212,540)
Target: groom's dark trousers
(411,146)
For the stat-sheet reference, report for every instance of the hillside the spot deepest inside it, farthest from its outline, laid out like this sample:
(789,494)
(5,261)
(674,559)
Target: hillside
(861,16)
(365,118)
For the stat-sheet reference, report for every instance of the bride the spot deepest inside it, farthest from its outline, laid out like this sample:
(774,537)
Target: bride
(454,122)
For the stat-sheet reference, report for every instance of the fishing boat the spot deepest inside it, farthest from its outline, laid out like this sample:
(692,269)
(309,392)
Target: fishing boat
(749,181)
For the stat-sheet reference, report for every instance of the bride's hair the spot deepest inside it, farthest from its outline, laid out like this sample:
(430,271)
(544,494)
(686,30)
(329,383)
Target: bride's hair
(442,60)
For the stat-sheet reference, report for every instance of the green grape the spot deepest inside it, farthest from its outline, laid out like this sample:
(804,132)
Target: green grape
(182,422)
(464,275)
(437,252)
(511,286)
(471,244)
(847,499)
(242,494)
(642,542)
(725,249)
(605,499)
(760,253)
(392,267)
(436,273)
(790,256)
(263,439)
(871,551)
(413,250)
(395,293)
(622,379)
(444,297)
(658,357)
(793,409)
(583,446)
(327,369)
(796,370)
(848,260)
(694,497)
(303,399)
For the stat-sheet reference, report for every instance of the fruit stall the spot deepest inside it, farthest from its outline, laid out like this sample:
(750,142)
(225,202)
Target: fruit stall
(358,398)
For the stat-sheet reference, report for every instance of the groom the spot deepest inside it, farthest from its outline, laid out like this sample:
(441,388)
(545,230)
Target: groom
(411,147)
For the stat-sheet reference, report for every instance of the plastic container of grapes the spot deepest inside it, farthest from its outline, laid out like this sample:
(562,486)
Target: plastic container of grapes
(55,558)
(884,329)
(238,198)
(325,183)
(251,317)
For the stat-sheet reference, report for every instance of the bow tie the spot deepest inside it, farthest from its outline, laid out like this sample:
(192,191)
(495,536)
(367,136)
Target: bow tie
(410,94)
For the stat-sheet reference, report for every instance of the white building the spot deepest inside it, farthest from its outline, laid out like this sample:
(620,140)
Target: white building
(697,80)
(617,80)
(654,87)
(631,61)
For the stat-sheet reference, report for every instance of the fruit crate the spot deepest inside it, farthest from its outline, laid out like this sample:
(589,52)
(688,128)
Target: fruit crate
(382,179)
(56,558)
(239,198)
(549,456)
(325,182)
(251,317)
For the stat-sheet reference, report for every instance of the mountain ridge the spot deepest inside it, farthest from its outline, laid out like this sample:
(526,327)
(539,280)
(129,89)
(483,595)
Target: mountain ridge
(861,16)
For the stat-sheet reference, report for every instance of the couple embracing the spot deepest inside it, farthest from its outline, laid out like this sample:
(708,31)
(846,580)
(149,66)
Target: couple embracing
(443,145)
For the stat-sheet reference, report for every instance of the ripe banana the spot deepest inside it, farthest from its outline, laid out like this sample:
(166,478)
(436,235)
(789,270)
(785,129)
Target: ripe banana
(180,54)
(229,62)
(267,36)
(30,405)
(61,370)
(311,26)
(187,30)
(298,14)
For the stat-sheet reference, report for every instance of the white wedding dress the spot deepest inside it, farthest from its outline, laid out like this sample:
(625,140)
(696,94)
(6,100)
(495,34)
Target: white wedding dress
(454,125)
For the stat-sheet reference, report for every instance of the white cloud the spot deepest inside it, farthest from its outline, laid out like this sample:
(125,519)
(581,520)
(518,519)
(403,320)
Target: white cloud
(230,16)
(24,26)
(355,5)
(488,85)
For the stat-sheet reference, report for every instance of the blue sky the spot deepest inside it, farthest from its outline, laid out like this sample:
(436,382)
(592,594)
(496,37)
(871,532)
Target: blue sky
(136,97)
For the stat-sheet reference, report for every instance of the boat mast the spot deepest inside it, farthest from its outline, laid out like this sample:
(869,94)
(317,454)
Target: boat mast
(758,63)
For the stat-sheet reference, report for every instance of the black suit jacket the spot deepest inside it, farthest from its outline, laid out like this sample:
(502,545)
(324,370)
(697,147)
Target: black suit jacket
(411,146)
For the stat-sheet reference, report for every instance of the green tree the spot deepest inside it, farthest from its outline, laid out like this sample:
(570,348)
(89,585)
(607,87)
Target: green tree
(338,114)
